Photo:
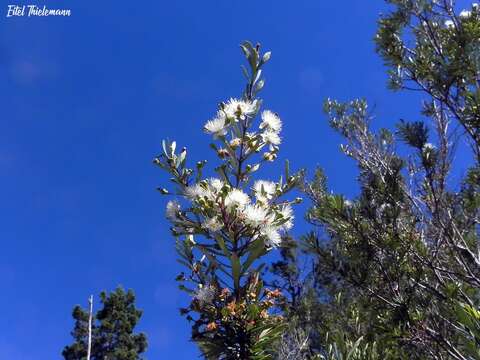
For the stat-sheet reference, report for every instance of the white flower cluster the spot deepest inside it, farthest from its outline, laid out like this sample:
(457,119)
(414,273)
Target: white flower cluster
(172,211)
(222,207)
(218,207)
(240,110)
(272,125)
(229,113)
(205,294)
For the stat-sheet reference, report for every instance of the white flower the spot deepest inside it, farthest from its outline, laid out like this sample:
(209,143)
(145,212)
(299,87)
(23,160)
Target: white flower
(449,24)
(209,190)
(173,207)
(287,214)
(235,142)
(216,126)
(465,14)
(215,184)
(205,294)
(255,215)
(271,137)
(194,191)
(272,236)
(212,225)
(239,109)
(237,198)
(271,121)
(264,190)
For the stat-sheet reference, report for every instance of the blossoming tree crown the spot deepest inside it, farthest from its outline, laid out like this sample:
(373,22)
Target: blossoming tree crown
(224,224)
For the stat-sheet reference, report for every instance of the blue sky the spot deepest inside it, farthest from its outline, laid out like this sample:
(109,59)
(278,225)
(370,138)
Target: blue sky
(85,103)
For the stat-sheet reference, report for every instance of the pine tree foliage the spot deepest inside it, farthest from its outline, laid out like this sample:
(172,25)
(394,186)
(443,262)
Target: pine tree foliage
(396,270)
(113,336)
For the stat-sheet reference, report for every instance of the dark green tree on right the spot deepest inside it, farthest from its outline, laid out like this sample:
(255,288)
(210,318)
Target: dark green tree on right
(113,336)
(396,270)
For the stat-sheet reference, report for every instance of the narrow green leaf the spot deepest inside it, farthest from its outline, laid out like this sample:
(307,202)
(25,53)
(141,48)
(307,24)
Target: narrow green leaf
(235,270)
(257,249)
(221,244)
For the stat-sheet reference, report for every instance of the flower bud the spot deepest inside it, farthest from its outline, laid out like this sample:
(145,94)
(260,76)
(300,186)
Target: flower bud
(266,56)
(222,153)
(235,143)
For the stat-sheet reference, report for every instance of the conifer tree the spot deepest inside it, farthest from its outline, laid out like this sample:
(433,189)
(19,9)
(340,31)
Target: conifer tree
(113,336)
(397,268)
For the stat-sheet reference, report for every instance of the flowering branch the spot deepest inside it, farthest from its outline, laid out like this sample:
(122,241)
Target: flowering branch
(229,223)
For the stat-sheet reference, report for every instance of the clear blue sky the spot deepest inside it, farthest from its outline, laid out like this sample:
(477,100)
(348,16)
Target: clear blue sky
(85,103)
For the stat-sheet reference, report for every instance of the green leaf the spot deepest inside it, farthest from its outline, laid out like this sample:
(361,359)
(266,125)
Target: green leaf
(260,85)
(354,347)
(221,244)
(235,270)
(287,169)
(245,72)
(164,146)
(257,249)
(245,50)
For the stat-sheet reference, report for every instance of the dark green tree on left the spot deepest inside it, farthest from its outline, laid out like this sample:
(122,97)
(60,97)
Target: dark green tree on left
(113,336)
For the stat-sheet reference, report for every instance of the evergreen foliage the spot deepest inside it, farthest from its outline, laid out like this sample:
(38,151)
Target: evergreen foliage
(113,336)
(396,271)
